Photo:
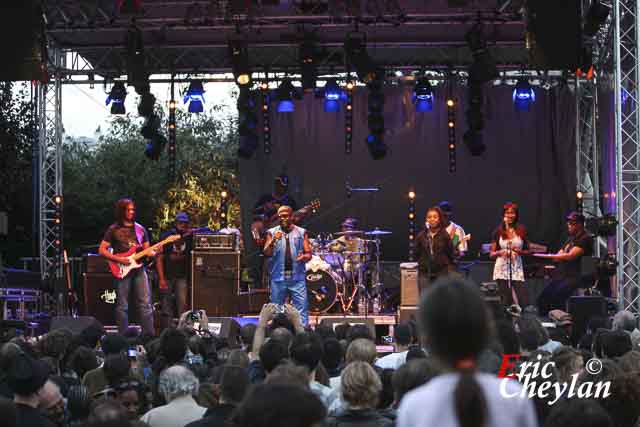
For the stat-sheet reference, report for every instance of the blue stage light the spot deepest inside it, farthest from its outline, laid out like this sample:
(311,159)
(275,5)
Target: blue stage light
(423,96)
(195,97)
(523,96)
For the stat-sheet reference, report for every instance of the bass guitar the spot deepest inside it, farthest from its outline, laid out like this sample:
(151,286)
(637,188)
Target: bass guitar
(259,227)
(120,271)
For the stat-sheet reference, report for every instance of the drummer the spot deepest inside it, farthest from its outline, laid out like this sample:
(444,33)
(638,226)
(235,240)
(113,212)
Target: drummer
(350,244)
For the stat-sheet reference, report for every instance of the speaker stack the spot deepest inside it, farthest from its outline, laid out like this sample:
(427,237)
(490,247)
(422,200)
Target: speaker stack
(409,291)
(215,274)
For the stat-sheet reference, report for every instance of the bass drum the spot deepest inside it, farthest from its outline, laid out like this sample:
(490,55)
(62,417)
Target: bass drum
(322,290)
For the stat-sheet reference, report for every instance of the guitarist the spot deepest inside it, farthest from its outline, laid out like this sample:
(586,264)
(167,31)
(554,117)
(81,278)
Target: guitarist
(121,236)
(173,270)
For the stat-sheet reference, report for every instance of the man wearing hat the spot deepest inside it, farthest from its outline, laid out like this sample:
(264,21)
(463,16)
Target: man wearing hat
(26,378)
(288,249)
(173,270)
(352,243)
(568,277)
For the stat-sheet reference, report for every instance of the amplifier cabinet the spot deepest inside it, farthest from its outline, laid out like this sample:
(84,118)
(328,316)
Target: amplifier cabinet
(409,292)
(215,280)
(100,298)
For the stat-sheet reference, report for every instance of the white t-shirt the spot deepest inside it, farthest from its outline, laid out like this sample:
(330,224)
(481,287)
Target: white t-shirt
(392,361)
(433,404)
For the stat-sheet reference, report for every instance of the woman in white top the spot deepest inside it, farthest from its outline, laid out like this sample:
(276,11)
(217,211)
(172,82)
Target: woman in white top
(507,247)
(456,327)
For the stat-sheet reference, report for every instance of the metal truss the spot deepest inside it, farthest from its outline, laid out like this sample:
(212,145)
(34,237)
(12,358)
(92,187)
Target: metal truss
(627,139)
(50,170)
(587,149)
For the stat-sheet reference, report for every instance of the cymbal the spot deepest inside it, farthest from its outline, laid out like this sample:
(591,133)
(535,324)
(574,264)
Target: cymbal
(378,232)
(348,232)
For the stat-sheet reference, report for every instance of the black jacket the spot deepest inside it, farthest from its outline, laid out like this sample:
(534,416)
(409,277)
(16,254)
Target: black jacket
(359,418)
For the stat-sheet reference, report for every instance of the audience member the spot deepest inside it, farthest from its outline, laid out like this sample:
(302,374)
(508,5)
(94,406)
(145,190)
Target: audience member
(462,397)
(289,374)
(95,380)
(615,343)
(269,405)
(568,362)
(52,403)
(306,350)
(625,321)
(402,340)
(332,357)
(25,378)
(360,392)
(578,413)
(411,375)
(178,385)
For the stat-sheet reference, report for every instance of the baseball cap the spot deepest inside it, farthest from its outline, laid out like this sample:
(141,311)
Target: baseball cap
(445,206)
(575,216)
(350,223)
(182,217)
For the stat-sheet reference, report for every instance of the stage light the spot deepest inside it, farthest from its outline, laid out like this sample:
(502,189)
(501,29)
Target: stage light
(451,103)
(412,194)
(284,96)
(239,54)
(57,199)
(224,194)
(579,201)
(172,105)
(423,95)
(195,97)
(451,125)
(116,97)
(348,119)
(332,96)
(350,85)
(266,120)
(412,224)
(264,86)
(523,95)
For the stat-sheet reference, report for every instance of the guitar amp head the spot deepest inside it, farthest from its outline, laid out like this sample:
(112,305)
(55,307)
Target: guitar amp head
(216,242)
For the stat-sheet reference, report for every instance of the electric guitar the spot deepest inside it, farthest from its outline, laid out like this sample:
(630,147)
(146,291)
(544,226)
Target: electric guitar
(120,271)
(259,227)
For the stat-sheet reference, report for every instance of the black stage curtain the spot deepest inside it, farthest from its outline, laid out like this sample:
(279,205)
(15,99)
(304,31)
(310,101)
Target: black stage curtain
(530,159)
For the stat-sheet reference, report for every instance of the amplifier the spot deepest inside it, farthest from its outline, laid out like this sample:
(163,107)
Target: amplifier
(215,242)
(95,263)
(215,280)
(100,298)
(409,292)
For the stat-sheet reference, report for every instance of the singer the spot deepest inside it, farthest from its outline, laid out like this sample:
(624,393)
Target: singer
(288,249)
(434,249)
(508,244)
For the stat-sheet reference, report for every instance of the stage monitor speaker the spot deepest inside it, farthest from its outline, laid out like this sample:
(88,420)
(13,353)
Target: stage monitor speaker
(100,298)
(215,279)
(75,324)
(554,33)
(407,313)
(226,328)
(409,292)
(582,309)
(332,322)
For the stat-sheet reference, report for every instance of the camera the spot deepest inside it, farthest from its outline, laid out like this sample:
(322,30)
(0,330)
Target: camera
(279,309)
(193,316)
(132,353)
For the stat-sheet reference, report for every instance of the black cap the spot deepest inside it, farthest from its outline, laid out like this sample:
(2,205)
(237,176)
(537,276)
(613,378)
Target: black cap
(575,217)
(445,206)
(26,375)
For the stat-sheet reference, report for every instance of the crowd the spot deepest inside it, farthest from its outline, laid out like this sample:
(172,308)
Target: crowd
(447,370)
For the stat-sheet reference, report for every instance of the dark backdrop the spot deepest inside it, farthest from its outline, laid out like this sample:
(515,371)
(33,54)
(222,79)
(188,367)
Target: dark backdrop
(530,159)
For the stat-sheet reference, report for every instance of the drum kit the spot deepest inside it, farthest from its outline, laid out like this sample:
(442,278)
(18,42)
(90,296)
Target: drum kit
(341,268)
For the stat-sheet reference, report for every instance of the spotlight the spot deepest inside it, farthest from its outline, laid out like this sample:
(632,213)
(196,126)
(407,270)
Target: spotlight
(423,95)
(579,201)
(307,59)
(284,96)
(239,53)
(332,96)
(523,95)
(195,97)
(116,98)
(348,118)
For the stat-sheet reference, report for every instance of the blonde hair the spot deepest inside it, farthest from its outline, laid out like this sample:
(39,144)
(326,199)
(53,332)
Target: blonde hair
(360,385)
(362,350)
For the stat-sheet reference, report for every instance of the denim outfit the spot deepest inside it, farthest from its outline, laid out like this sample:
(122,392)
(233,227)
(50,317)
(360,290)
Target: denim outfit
(142,294)
(289,282)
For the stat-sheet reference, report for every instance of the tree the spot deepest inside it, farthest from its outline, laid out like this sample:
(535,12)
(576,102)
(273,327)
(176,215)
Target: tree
(16,160)
(115,167)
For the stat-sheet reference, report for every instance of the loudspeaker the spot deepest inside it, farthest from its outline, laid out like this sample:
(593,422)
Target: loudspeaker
(332,322)
(409,292)
(554,33)
(407,313)
(100,298)
(582,309)
(226,328)
(75,324)
(215,279)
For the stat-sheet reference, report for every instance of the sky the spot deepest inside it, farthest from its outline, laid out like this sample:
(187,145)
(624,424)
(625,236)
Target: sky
(84,109)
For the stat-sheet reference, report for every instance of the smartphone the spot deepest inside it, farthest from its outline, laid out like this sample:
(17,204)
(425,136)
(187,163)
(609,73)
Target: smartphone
(132,353)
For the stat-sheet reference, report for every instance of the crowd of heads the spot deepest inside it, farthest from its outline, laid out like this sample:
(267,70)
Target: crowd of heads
(281,374)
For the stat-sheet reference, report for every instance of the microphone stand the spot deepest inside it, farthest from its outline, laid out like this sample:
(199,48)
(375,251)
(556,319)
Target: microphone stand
(509,253)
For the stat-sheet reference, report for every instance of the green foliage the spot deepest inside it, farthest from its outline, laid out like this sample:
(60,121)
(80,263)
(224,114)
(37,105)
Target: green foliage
(16,136)
(115,167)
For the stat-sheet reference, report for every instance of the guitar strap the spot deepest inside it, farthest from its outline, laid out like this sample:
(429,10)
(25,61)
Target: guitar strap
(140,232)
